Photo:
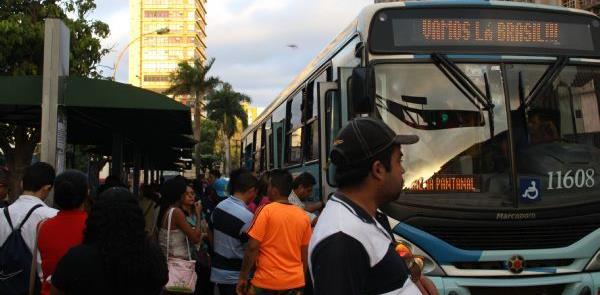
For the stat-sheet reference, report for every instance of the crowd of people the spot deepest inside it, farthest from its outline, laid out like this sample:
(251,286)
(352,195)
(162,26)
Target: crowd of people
(246,234)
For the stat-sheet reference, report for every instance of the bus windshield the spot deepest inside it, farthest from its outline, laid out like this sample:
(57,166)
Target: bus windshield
(463,156)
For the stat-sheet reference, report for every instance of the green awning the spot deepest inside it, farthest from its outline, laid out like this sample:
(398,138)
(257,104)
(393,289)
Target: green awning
(96,109)
(21,90)
(95,93)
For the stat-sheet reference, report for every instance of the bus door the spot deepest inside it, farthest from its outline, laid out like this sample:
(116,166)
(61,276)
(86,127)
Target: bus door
(330,108)
(345,74)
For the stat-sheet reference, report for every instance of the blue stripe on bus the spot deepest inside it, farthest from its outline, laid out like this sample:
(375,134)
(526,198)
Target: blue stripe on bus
(440,251)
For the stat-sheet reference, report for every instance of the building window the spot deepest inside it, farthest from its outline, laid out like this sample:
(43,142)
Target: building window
(156,78)
(156,13)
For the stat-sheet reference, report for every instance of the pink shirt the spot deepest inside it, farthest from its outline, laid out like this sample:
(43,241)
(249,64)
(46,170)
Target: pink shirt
(252,206)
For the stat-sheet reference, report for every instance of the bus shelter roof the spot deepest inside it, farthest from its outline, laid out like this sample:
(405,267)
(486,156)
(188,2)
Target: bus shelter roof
(96,109)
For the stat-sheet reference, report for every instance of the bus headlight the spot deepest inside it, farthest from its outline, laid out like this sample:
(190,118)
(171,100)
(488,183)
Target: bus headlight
(594,264)
(430,267)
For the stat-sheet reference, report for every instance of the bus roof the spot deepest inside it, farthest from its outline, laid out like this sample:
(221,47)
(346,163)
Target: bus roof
(360,27)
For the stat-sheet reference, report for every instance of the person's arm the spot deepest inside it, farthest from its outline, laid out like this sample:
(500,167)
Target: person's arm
(304,253)
(250,256)
(428,286)
(313,206)
(339,266)
(194,234)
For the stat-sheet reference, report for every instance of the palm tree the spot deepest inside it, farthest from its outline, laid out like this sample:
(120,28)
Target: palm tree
(225,107)
(191,79)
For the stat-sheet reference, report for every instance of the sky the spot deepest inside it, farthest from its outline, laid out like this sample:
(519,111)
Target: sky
(248,39)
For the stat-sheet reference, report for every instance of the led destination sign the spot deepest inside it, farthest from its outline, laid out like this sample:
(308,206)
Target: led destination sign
(446,183)
(484,30)
(493,32)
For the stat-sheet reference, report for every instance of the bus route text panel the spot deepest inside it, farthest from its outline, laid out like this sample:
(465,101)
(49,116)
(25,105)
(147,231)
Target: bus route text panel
(483,30)
(492,32)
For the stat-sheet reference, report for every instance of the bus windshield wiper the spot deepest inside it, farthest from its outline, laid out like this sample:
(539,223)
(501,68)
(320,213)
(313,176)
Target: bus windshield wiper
(546,80)
(467,86)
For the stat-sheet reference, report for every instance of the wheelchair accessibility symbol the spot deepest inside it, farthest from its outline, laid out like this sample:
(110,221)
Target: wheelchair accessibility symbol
(530,189)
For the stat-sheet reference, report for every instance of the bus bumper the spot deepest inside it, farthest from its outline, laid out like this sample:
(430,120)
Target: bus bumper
(568,284)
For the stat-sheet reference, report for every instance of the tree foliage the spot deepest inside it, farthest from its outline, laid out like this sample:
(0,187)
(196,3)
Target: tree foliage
(22,53)
(225,107)
(209,130)
(22,31)
(191,78)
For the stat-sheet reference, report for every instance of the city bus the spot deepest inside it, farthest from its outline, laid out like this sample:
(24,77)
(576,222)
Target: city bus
(502,192)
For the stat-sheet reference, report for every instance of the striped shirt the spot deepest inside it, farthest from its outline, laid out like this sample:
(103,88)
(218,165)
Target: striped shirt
(352,253)
(230,222)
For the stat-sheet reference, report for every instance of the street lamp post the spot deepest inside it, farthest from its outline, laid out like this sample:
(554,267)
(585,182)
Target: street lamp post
(160,31)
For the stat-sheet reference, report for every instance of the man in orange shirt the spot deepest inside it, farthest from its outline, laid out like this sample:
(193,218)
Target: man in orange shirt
(278,241)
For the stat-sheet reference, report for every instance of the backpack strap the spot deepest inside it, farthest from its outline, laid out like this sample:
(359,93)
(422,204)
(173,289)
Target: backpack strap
(8,217)
(28,215)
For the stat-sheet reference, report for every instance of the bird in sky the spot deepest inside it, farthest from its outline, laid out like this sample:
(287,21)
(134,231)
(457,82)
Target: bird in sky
(292,46)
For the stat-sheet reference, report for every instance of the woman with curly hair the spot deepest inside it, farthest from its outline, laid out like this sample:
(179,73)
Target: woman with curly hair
(116,256)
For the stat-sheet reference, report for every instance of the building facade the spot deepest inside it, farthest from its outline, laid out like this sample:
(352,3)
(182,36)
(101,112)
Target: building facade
(154,51)
(589,5)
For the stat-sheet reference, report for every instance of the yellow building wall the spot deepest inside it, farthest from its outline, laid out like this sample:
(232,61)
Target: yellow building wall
(152,56)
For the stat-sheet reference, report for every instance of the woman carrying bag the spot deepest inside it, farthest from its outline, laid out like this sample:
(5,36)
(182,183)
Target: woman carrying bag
(175,235)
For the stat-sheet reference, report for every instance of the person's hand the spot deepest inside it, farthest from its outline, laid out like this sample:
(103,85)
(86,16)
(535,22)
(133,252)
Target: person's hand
(426,286)
(242,287)
(198,208)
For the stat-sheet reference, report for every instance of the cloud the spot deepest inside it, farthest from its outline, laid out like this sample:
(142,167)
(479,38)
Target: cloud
(248,38)
(116,14)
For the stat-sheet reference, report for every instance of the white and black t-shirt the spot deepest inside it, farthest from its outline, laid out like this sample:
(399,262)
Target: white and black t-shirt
(353,253)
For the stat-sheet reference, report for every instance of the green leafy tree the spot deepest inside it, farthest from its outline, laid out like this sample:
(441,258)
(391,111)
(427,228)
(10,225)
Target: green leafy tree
(210,131)
(191,78)
(22,53)
(225,107)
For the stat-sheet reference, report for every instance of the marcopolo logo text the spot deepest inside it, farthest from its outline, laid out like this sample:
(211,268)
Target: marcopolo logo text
(515,216)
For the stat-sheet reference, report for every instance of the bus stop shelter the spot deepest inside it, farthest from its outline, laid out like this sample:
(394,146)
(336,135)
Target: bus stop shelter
(137,128)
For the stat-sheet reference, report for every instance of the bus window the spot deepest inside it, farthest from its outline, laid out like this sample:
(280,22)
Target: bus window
(249,151)
(557,136)
(311,112)
(242,153)
(462,155)
(278,131)
(263,148)
(293,143)
(269,145)
(333,123)
(258,149)
(333,117)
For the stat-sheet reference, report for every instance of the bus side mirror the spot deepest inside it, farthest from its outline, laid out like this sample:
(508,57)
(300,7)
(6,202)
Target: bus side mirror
(362,90)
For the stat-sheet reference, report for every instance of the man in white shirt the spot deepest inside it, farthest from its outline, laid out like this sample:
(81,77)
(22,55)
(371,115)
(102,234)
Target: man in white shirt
(37,184)
(302,189)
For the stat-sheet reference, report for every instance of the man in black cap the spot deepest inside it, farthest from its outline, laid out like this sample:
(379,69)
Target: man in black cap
(352,249)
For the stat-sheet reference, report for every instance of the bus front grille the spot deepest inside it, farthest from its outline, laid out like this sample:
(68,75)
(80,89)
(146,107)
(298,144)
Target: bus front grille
(482,237)
(536,290)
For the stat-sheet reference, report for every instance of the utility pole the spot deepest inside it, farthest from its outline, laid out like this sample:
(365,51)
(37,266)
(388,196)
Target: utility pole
(54,119)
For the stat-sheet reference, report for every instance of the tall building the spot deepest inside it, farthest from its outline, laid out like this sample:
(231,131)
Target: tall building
(589,5)
(155,51)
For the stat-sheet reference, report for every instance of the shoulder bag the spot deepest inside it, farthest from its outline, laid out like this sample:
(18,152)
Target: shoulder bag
(182,273)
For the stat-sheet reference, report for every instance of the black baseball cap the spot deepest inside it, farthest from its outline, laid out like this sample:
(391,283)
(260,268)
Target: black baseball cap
(364,138)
